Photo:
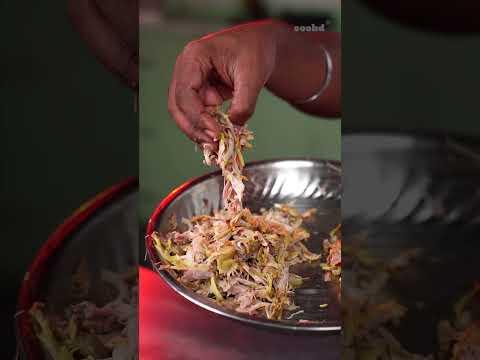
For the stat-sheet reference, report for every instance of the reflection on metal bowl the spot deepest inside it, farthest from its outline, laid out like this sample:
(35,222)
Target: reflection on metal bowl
(309,184)
(405,192)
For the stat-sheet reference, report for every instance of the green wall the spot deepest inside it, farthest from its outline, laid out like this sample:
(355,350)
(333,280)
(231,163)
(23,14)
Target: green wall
(168,158)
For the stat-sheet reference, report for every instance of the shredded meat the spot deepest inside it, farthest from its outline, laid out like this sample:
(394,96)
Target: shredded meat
(233,139)
(245,261)
(239,258)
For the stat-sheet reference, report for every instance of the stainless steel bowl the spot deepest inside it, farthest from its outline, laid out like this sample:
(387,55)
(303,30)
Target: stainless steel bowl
(404,192)
(309,184)
(104,233)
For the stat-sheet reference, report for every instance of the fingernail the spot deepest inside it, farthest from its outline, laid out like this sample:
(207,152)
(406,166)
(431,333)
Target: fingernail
(211,134)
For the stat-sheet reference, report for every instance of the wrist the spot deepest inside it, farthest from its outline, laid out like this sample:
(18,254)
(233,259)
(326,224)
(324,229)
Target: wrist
(303,66)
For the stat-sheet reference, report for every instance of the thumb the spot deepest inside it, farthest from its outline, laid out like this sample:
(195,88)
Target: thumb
(244,100)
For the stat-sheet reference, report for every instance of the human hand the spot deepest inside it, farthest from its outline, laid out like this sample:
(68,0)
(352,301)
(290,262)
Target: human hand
(231,64)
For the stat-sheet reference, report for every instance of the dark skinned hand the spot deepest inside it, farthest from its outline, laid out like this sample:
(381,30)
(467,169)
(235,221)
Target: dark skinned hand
(237,63)
(231,64)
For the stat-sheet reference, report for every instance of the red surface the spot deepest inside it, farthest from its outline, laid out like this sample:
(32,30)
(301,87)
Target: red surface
(171,327)
(151,317)
(39,265)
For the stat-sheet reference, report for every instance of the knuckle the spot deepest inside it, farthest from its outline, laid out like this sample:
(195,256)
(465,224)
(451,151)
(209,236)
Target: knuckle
(190,134)
(244,111)
(194,136)
(193,47)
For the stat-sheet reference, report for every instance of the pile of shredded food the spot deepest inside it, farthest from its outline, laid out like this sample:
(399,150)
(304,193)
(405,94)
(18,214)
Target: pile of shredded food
(240,259)
(86,331)
(459,338)
(369,311)
(333,248)
(233,140)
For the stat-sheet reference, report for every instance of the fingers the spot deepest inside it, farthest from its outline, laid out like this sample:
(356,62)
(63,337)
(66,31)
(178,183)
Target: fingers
(221,91)
(104,41)
(195,130)
(244,102)
(189,96)
(208,122)
(195,134)
(211,134)
(205,130)
(201,80)
(248,82)
(211,96)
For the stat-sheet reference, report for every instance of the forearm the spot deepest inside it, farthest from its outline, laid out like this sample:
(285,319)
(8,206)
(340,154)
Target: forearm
(300,70)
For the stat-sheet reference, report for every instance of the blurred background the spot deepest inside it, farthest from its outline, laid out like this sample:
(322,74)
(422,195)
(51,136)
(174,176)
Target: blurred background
(167,157)
(411,67)
(410,74)
(68,131)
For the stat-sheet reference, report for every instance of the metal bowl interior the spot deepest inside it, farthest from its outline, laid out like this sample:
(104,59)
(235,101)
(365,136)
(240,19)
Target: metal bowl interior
(413,179)
(306,183)
(404,192)
(104,234)
(107,241)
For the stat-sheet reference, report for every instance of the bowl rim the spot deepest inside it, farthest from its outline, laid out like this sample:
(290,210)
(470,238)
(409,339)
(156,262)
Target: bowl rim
(192,297)
(27,343)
